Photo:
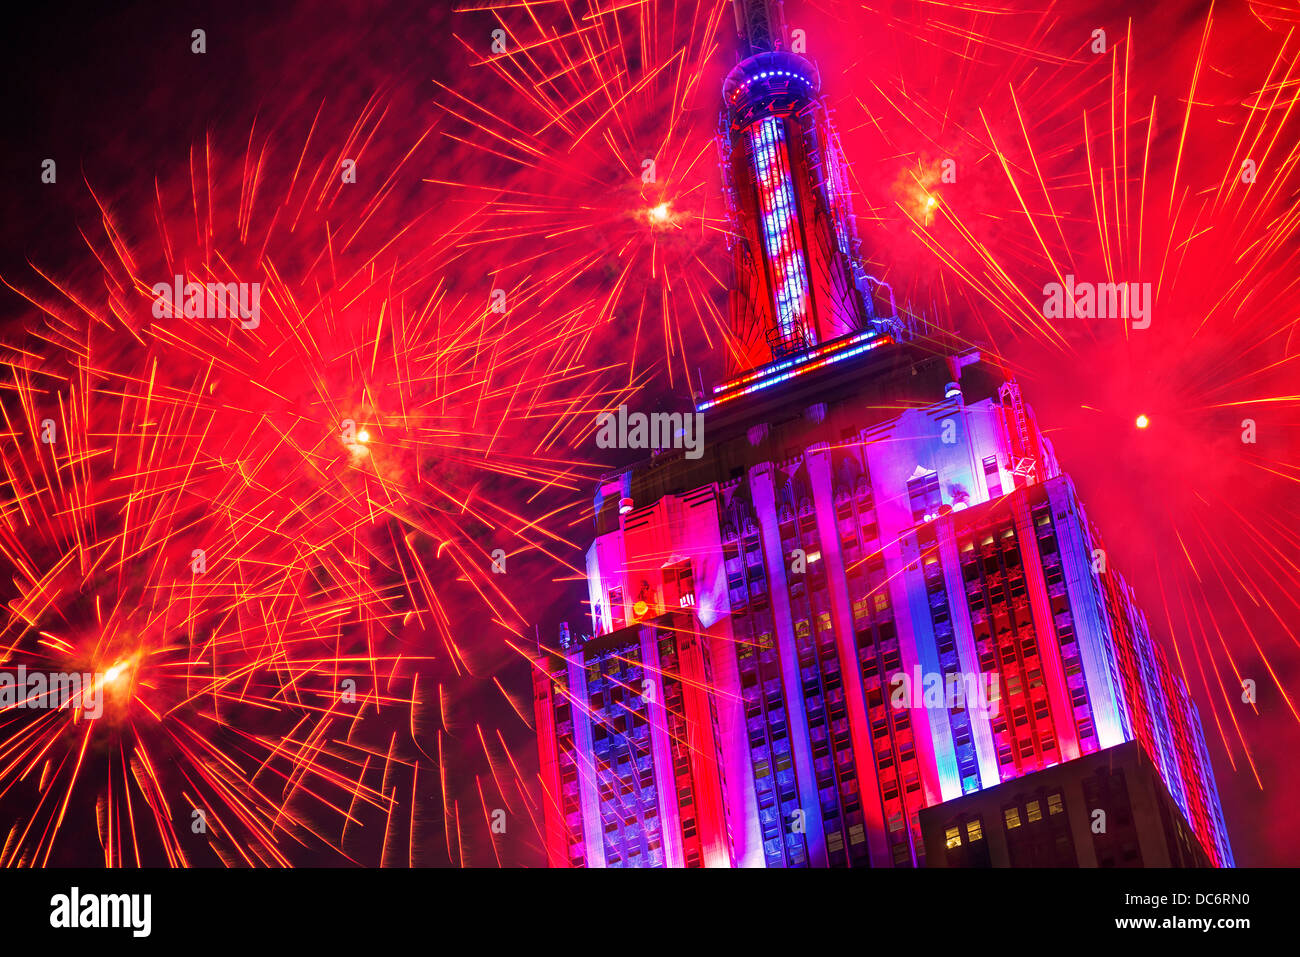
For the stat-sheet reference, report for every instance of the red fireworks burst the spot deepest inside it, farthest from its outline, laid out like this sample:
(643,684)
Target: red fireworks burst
(255,528)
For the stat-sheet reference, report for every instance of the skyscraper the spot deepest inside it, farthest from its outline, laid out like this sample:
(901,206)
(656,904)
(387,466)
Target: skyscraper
(873,594)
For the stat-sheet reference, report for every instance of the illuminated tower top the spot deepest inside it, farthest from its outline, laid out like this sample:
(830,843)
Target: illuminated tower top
(799,279)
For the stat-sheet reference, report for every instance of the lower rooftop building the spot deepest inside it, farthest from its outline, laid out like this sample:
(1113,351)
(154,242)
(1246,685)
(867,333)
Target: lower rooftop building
(1107,809)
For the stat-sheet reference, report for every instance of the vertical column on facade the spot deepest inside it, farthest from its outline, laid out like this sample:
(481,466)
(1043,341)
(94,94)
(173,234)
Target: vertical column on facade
(1049,646)
(1086,603)
(764,496)
(967,654)
(864,756)
(661,756)
(737,770)
(1153,695)
(557,850)
(606,568)
(1223,857)
(1194,804)
(710,814)
(593,831)
(916,648)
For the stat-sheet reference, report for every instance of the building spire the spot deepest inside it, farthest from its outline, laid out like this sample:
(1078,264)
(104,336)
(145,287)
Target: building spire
(761,26)
(799,278)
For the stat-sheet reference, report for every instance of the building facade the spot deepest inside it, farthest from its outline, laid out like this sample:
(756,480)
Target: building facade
(873,594)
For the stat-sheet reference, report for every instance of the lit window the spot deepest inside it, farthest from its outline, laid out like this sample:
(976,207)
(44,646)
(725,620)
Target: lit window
(1054,805)
(953,834)
(993,476)
(1013,817)
(924,494)
(974,831)
(1035,812)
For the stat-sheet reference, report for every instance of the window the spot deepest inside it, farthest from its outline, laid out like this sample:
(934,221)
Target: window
(975,830)
(953,836)
(1013,817)
(1054,804)
(617,614)
(680,578)
(992,476)
(1035,812)
(923,494)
